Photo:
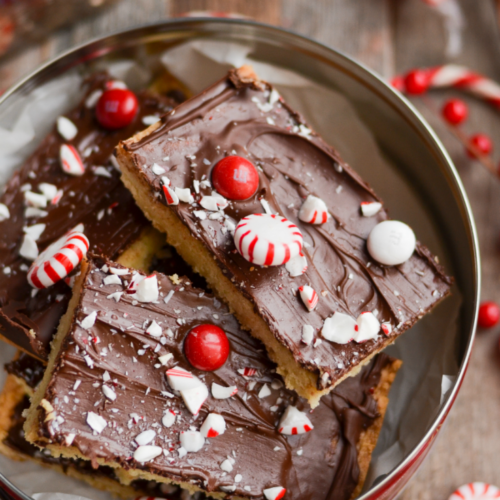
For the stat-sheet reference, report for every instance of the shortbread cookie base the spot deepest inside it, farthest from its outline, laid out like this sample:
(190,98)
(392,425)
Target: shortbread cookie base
(14,391)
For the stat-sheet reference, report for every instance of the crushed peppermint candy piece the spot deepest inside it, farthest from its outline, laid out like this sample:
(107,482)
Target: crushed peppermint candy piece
(66,128)
(112,279)
(314,210)
(297,266)
(29,248)
(147,289)
(226,465)
(275,493)
(309,297)
(157,170)
(48,190)
(33,212)
(58,259)
(165,358)
(35,200)
(92,99)
(213,426)
(70,159)
(145,437)
(195,397)
(386,328)
(150,119)
(269,240)
(115,296)
(184,195)
(264,391)
(476,491)
(147,453)
(96,422)
(170,195)
(4,212)
(109,393)
(34,231)
(307,334)
(118,271)
(180,379)
(294,422)
(102,172)
(168,419)
(247,372)
(367,327)
(154,329)
(370,208)
(89,321)
(192,441)
(213,203)
(339,328)
(221,392)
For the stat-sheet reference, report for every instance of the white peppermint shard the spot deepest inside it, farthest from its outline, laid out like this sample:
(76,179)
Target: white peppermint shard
(89,321)
(109,393)
(34,231)
(4,212)
(296,266)
(180,379)
(96,422)
(368,327)
(307,334)
(147,289)
(294,422)
(147,453)
(192,441)
(112,279)
(35,199)
(29,248)
(48,190)
(168,419)
(194,398)
(275,493)
(264,392)
(369,209)
(221,392)
(339,328)
(184,195)
(154,329)
(213,426)
(227,466)
(66,128)
(145,437)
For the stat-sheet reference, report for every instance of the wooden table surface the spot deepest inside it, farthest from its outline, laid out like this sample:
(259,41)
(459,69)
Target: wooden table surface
(390,36)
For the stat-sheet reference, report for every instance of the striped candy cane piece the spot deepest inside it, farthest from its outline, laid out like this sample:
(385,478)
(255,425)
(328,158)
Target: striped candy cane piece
(180,379)
(294,422)
(476,491)
(276,493)
(58,260)
(309,297)
(267,239)
(71,162)
(313,210)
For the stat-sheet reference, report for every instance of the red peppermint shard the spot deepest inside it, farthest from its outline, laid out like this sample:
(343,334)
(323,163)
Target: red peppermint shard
(71,162)
(476,491)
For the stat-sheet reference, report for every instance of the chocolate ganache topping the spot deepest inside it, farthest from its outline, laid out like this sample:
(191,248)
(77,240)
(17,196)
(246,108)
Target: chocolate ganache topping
(97,199)
(247,117)
(116,351)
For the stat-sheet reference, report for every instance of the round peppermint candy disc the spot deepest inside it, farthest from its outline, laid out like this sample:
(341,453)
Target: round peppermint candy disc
(58,260)
(476,491)
(391,242)
(267,240)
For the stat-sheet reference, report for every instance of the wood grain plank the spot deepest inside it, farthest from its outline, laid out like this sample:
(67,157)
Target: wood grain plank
(267,11)
(467,448)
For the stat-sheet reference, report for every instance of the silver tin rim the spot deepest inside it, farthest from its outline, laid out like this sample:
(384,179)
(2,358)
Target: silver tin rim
(102,46)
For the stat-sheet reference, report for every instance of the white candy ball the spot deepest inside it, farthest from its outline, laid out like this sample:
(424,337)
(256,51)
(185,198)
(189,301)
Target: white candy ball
(391,242)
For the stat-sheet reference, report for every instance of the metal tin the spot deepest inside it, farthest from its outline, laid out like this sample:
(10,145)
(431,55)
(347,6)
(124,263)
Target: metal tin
(417,151)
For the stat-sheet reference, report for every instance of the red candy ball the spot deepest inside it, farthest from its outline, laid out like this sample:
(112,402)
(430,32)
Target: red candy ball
(235,178)
(455,111)
(116,108)
(489,315)
(481,142)
(417,82)
(206,347)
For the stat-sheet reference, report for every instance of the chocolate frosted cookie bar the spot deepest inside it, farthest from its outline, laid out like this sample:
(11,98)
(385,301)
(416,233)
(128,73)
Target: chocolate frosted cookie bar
(155,378)
(68,182)
(285,232)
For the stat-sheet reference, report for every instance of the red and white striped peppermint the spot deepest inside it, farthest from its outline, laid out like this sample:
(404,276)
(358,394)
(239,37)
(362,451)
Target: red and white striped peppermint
(170,195)
(370,208)
(247,372)
(180,379)
(195,397)
(213,426)
(313,210)
(71,162)
(297,266)
(461,77)
(58,260)
(221,392)
(476,491)
(294,422)
(275,493)
(309,297)
(267,239)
